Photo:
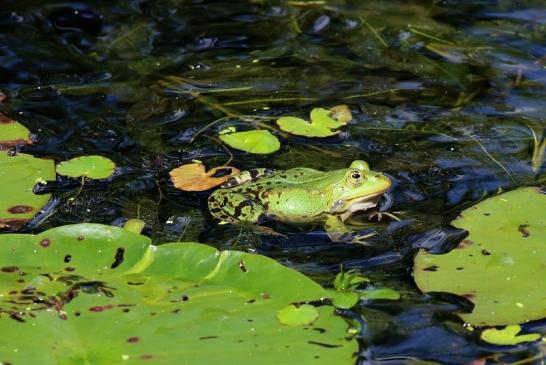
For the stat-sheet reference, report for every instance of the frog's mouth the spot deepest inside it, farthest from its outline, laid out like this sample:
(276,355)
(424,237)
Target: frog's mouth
(357,204)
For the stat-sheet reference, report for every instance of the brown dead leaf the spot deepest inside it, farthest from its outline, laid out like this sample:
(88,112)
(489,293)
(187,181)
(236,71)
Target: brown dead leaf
(193,177)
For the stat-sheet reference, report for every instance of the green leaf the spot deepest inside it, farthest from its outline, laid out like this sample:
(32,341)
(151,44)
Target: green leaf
(507,335)
(297,316)
(13,133)
(321,125)
(380,294)
(349,280)
(343,300)
(96,294)
(92,167)
(257,141)
(18,175)
(497,267)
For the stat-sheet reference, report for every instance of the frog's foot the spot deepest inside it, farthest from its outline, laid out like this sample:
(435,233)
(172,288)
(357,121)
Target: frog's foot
(266,231)
(349,237)
(339,232)
(379,215)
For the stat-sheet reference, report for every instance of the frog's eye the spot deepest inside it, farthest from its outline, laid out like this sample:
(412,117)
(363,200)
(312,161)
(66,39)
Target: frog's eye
(355,177)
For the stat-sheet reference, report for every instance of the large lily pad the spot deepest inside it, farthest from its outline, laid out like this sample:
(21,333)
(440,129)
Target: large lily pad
(500,267)
(95,294)
(18,175)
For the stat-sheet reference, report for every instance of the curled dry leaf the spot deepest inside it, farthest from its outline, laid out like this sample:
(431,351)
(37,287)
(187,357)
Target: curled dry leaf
(193,177)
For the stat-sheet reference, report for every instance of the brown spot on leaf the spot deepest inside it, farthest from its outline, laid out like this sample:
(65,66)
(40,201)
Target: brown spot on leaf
(242,266)
(17,316)
(118,258)
(265,295)
(146,357)
(469,296)
(45,242)
(70,268)
(20,209)
(100,308)
(9,269)
(431,268)
(522,228)
(80,238)
(133,339)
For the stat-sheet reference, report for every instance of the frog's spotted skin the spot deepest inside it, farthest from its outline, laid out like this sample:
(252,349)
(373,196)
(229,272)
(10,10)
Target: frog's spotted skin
(300,195)
(245,176)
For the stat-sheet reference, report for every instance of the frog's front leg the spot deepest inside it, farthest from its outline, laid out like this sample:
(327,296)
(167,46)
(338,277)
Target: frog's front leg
(339,232)
(235,208)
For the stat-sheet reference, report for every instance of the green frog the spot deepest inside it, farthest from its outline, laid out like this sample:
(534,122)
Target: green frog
(301,195)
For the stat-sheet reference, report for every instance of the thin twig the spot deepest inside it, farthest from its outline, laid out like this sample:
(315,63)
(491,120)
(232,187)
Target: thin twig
(206,127)
(225,148)
(493,158)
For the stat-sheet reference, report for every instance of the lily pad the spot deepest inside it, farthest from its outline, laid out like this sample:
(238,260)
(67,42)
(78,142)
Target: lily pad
(507,336)
(13,133)
(298,315)
(497,266)
(92,167)
(322,122)
(193,177)
(18,175)
(127,301)
(258,141)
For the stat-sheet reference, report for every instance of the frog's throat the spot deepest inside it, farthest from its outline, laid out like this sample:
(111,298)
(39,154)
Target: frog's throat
(348,207)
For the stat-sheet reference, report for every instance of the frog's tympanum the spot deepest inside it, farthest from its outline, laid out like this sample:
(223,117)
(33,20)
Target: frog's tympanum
(301,195)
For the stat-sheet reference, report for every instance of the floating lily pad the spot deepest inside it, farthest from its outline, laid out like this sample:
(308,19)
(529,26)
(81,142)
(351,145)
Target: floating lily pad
(92,167)
(18,175)
(13,133)
(193,177)
(507,336)
(257,141)
(500,265)
(298,315)
(127,301)
(322,122)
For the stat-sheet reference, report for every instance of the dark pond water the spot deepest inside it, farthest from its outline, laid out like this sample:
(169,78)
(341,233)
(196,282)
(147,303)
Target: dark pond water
(447,98)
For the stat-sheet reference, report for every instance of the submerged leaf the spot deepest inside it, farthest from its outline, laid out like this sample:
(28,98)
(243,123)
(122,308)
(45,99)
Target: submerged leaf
(92,167)
(257,141)
(507,336)
(380,294)
(193,177)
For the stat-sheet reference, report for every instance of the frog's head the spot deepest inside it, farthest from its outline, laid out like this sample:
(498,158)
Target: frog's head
(359,189)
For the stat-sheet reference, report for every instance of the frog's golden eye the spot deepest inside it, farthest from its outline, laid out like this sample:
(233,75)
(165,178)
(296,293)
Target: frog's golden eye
(355,177)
